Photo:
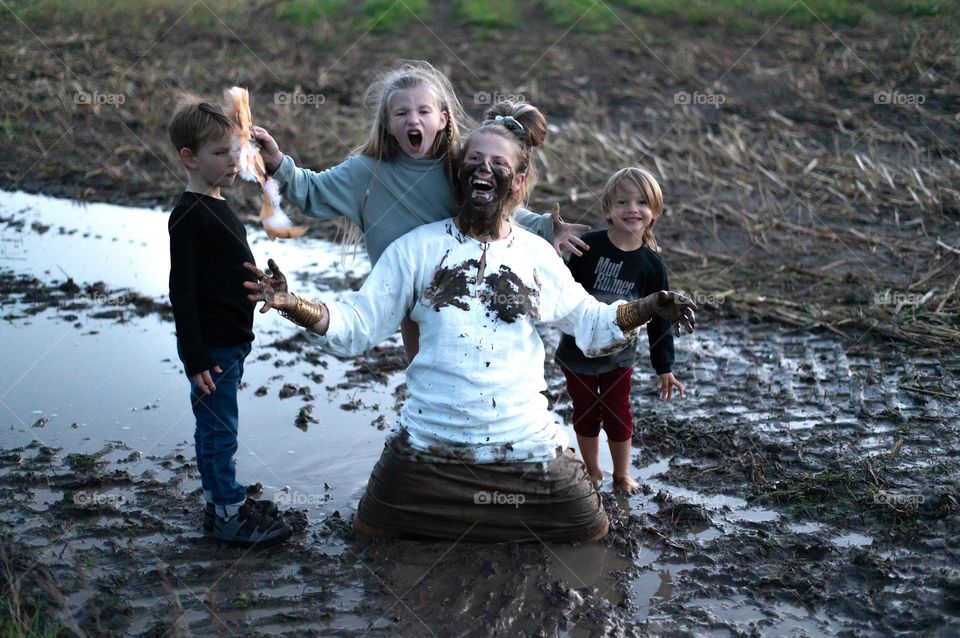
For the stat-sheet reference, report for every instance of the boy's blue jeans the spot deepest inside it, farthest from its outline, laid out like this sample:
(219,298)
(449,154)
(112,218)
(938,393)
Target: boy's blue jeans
(217,422)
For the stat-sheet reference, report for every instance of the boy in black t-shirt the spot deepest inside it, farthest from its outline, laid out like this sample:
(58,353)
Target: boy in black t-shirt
(214,320)
(621,263)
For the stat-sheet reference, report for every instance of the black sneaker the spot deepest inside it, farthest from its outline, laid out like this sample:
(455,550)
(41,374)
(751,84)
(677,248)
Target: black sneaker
(250,527)
(266,507)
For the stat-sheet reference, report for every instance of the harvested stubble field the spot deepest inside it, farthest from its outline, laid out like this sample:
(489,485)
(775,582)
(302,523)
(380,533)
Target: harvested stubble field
(808,150)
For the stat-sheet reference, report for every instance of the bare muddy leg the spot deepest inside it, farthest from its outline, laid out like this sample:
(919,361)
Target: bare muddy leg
(590,451)
(622,481)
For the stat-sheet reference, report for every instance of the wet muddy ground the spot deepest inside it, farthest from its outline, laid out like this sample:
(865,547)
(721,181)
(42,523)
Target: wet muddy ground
(804,485)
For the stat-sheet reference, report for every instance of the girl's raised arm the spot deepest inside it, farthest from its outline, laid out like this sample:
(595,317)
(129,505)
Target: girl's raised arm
(329,194)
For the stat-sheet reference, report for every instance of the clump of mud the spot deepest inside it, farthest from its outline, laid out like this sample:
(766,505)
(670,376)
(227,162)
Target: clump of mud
(32,296)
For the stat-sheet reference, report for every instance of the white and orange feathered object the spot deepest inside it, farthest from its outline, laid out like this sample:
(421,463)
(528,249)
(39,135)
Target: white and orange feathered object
(252,168)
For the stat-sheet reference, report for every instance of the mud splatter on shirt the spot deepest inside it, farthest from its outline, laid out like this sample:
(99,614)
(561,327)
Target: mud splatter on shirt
(508,297)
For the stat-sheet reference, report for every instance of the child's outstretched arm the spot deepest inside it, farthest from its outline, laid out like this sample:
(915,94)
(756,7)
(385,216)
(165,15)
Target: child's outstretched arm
(329,194)
(563,236)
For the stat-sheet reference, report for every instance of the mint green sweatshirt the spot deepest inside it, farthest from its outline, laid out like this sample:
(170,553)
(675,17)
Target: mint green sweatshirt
(406,193)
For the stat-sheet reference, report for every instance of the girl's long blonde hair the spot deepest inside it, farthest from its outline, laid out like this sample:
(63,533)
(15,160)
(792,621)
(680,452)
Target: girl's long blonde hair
(647,184)
(380,145)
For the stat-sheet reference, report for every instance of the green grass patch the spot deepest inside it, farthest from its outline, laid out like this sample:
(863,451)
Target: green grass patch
(916,8)
(488,13)
(832,12)
(696,12)
(835,13)
(705,12)
(309,12)
(388,15)
(591,16)
(35,629)
(122,15)
(25,621)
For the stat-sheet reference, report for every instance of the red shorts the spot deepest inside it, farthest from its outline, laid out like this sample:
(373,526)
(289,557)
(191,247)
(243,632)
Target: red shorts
(601,399)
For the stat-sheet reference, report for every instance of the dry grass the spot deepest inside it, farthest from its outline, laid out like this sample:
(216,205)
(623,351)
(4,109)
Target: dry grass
(803,198)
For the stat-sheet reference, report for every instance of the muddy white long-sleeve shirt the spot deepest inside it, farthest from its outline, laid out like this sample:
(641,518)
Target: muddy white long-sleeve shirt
(475,385)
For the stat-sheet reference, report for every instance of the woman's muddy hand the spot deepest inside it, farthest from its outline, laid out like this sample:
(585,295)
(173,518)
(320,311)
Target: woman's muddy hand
(270,289)
(676,308)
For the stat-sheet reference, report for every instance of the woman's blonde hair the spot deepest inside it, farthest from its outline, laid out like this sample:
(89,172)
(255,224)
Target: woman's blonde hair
(530,134)
(647,184)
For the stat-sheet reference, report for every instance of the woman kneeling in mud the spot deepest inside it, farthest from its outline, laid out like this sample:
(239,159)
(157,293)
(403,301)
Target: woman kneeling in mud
(478,455)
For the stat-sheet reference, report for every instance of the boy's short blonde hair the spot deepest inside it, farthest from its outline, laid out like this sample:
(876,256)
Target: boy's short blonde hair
(196,122)
(647,184)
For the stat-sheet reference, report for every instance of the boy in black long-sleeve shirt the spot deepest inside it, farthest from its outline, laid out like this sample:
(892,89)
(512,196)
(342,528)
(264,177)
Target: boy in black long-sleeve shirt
(621,263)
(214,320)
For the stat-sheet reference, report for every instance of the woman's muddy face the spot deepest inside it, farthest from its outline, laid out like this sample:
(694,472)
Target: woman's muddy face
(487,177)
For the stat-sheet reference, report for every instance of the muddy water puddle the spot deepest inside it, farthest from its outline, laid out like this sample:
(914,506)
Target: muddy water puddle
(803,486)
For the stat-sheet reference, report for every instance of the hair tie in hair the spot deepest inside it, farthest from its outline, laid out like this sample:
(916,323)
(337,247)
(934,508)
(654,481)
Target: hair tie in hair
(510,123)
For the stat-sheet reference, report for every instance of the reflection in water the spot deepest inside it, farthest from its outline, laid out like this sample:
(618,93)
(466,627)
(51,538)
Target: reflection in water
(654,586)
(586,566)
(138,395)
